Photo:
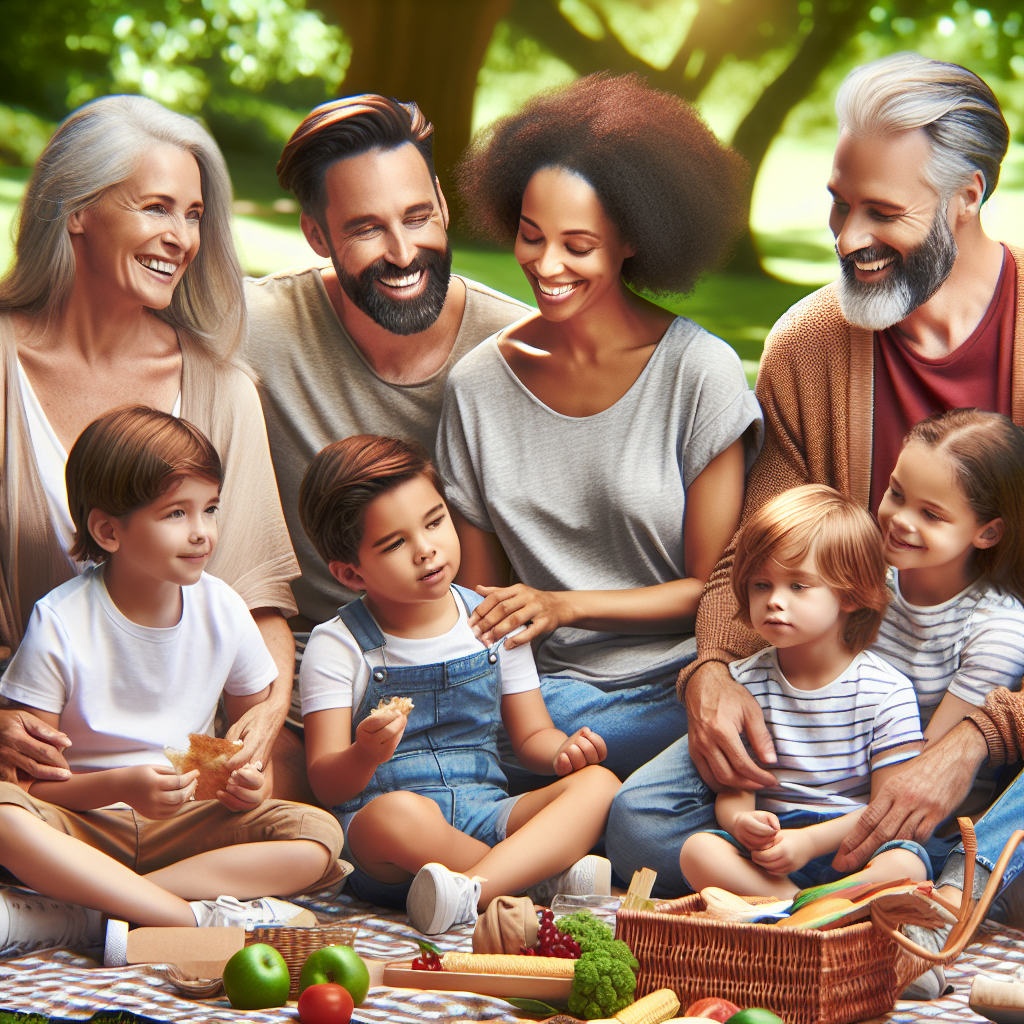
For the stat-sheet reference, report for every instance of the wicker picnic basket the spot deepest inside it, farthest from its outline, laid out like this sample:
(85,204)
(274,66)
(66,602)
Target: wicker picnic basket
(840,976)
(295,944)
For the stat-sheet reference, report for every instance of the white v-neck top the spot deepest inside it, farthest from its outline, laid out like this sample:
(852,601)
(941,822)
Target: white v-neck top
(52,460)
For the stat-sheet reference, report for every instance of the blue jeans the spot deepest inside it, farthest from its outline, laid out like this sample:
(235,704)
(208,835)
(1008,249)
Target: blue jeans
(819,870)
(636,722)
(661,805)
(992,832)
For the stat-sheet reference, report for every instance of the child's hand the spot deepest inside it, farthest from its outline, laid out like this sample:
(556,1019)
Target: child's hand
(790,852)
(247,787)
(378,736)
(756,830)
(583,747)
(156,791)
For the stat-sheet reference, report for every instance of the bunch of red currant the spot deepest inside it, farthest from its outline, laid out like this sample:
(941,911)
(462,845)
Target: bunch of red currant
(429,958)
(552,942)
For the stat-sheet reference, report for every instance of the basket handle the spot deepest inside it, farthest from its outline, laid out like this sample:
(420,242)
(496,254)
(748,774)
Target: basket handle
(970,914)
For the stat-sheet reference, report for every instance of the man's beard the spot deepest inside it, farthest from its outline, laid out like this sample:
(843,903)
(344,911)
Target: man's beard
(401,316)
(910,283)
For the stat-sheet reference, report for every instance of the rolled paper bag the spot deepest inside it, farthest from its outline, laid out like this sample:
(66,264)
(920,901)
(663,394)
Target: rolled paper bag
(507,925)
(988,993)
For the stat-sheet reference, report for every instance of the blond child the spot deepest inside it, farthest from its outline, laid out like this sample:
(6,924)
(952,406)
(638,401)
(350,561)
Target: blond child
(424,803)
(130,657)
(809,576)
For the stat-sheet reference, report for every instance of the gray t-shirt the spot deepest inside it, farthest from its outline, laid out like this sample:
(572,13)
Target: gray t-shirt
(317,387)
(595,502)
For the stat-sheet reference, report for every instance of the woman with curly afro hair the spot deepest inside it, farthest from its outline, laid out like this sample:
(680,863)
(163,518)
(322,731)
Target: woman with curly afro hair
(598,447)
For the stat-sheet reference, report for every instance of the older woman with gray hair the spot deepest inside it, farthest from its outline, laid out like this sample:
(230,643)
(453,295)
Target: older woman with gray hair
(126,290)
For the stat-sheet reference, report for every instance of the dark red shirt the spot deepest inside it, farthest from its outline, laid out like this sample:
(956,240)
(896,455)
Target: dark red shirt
(909,387)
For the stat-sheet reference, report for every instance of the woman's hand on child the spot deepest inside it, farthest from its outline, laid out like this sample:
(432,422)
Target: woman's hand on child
(156,791)
(507,608)
(756,830)
(245,789)
(583,747)
(379,735)
(791,850)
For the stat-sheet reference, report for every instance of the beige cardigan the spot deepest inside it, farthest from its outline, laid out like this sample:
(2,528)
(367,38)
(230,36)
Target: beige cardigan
(815,387)
(254,554)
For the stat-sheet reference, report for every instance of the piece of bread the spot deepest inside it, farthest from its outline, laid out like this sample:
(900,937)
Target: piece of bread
(208,754)
(403,705)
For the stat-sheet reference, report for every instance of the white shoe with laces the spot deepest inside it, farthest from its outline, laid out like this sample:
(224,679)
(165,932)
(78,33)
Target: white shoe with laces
(266,912)
(589,876)
(225,911)
(440,899)
(29,922)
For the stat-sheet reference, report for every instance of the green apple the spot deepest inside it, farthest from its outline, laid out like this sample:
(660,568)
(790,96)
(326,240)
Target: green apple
(341,965)
(256,978)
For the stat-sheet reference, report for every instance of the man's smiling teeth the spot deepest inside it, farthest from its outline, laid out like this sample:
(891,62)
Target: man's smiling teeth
(153,263)
(877,265)
(402,282)
(559,289)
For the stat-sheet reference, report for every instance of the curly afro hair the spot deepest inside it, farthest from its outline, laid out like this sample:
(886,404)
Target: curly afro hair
(673,191)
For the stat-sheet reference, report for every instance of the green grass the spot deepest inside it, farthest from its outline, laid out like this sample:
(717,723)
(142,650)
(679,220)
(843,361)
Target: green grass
(103,1017)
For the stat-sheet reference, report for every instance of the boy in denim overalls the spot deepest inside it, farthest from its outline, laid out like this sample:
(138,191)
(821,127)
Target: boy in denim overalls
(422,799)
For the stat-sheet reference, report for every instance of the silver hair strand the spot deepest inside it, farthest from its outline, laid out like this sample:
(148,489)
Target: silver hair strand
(953,106)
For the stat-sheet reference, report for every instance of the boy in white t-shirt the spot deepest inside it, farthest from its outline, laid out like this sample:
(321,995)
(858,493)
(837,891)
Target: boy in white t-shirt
(128,658)
(809,576)
(419,789)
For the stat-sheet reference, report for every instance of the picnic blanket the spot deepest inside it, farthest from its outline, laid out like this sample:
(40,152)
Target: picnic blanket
(65,985)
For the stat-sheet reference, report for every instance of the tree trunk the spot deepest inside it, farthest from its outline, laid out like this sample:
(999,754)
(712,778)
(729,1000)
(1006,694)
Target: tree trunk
(832,28)
(429,51)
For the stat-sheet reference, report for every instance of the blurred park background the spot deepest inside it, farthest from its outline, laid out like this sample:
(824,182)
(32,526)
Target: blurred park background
(762,72)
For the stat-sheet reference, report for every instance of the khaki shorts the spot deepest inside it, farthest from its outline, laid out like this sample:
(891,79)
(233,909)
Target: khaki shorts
(145,845)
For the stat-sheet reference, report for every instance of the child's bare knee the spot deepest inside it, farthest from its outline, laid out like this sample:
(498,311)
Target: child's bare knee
(400,805)
(697,851)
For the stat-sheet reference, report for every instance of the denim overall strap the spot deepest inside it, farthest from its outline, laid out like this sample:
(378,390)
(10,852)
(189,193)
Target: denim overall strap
(450,740)
(360,623)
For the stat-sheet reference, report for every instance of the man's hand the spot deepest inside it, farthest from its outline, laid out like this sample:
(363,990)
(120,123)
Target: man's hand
(155,790)
(378,736)
(911,804)
(791,850)
(246,789)
(28,743)
(583,747)
(507,608)
(756,830)
(257,728)
(718,709)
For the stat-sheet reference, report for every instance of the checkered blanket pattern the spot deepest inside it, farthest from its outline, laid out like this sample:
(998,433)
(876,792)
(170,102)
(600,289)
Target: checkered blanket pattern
(65,985)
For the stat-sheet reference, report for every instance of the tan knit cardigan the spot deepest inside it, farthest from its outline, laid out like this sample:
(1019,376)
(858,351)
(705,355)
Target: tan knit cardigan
(815,387)
(254,553)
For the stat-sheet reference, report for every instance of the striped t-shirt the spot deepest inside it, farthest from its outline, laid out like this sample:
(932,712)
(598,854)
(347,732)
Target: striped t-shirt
(967,645)
(828,741)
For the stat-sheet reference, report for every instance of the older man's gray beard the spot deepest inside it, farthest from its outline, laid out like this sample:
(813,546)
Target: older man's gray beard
(910,283)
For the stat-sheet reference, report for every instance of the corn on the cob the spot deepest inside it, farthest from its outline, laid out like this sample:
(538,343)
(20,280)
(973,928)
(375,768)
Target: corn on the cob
(508,963)
(652,1009)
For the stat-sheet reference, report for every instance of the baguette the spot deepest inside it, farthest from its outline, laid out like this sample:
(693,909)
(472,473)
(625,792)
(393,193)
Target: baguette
(508,963)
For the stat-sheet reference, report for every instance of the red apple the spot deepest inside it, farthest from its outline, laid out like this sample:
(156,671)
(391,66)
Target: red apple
(713,1008)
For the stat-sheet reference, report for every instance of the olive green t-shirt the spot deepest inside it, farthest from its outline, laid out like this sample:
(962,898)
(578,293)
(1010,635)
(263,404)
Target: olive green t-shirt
(317,387)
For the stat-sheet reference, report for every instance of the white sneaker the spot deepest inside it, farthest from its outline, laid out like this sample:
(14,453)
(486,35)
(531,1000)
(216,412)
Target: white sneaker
(589,876)
(29,922)
(266,912)
(440,899)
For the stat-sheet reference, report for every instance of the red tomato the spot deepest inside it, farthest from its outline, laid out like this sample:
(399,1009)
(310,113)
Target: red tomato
(325,1004)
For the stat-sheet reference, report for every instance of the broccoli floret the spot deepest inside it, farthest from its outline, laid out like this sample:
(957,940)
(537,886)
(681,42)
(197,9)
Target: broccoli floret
(589,931)
(603,984)
(618,950)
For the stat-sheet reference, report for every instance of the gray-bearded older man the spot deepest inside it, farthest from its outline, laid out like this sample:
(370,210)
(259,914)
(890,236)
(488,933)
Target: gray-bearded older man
(926,316)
